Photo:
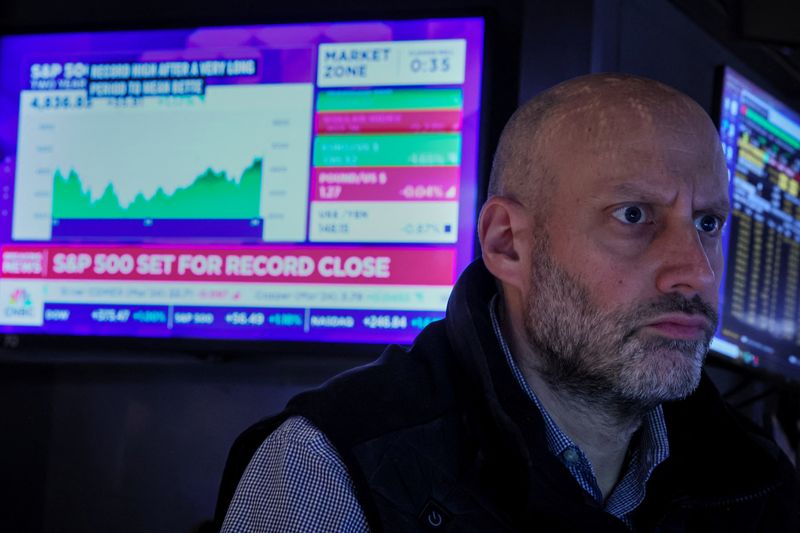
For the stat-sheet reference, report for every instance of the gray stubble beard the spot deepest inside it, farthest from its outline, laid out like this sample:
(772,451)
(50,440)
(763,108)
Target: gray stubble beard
(603,357)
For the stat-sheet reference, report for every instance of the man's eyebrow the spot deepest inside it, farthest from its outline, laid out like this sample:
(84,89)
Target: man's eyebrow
(719,207)
(636,191)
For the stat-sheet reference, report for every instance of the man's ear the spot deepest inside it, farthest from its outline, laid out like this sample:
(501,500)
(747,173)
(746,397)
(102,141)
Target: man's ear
(505,232)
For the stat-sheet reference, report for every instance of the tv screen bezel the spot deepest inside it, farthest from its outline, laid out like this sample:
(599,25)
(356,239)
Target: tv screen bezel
(499,85)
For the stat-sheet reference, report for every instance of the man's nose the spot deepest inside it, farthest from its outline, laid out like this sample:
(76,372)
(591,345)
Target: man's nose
(685,266)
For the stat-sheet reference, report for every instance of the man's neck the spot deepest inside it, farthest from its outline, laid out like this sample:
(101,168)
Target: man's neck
(602,435)
(601,431)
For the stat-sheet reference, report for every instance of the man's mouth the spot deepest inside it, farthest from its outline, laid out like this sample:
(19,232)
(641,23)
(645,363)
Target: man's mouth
(680,326)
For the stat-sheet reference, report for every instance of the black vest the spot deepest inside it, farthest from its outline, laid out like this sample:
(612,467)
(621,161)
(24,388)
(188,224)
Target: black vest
(442,438)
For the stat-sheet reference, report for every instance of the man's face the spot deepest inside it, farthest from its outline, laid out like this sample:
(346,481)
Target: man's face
(622,299)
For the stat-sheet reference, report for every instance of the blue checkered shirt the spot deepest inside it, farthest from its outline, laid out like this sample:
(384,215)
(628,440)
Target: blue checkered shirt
(297,481)
(651,449)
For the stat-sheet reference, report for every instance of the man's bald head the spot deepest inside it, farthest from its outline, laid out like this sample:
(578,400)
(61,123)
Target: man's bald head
(583,112)
(603,228)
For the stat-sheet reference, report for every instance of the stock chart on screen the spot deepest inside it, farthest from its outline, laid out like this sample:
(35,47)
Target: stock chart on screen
(280,182)
(760,318)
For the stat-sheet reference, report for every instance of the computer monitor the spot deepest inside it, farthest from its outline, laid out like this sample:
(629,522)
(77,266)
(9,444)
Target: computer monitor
(759,295)
(290,182)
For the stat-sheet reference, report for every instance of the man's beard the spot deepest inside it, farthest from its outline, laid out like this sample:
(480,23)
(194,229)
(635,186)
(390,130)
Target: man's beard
(602,356)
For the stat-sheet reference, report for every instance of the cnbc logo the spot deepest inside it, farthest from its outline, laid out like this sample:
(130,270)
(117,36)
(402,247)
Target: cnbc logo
(20,304)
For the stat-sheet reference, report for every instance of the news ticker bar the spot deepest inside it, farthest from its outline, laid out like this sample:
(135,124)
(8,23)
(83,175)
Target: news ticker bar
(250,323)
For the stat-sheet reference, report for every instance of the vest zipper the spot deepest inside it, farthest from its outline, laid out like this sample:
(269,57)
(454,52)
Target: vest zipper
(726,502)
(687,503)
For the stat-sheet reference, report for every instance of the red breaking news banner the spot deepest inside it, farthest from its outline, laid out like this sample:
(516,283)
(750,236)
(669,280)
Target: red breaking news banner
(384,266)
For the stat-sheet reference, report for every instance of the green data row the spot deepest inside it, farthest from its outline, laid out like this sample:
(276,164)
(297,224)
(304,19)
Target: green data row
(421,149)
(389,99)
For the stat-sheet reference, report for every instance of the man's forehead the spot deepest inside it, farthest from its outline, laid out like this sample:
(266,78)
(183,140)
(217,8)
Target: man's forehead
(708,192)
(654,160)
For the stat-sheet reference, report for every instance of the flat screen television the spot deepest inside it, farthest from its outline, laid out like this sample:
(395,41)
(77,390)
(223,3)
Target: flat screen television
(760,294)
(293,182)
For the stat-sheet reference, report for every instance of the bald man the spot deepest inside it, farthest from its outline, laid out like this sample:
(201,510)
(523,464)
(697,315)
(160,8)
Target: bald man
(564,390)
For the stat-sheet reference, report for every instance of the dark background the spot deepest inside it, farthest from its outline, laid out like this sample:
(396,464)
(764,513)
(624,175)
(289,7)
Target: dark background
(102,442)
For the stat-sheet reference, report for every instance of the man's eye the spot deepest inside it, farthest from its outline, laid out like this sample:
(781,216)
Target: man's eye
(630,214)
(708,224)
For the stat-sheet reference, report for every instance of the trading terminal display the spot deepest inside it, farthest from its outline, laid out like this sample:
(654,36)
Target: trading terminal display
(761,140)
